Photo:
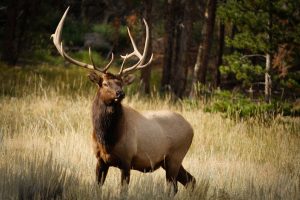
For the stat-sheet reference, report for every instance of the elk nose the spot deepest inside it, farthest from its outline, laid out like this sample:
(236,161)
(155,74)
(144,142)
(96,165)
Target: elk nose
(120,94)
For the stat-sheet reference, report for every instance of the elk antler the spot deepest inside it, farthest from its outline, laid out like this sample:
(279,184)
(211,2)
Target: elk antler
(59,46)
(97,68)
(140,64)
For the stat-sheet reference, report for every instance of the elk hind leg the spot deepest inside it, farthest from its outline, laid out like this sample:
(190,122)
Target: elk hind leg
(185,178)
(172,169)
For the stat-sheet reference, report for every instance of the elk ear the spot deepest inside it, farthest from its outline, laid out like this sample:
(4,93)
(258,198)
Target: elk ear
(128,79)
(94,77)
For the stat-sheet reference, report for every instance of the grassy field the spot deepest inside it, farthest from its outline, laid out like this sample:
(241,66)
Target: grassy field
(45,146)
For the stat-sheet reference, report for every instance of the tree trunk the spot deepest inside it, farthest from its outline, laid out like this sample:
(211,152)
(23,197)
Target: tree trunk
(169,37)
(268,82)
(183,35)
(18,32)
(9,49)
(221,35)
(146,72)
(207,40)
(116,34)
(177,43)
(83,11)
(200,68)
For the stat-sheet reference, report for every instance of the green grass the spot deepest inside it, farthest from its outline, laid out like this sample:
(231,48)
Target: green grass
(45,145)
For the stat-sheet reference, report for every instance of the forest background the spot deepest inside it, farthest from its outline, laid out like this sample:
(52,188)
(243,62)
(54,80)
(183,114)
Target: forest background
(200,47)
(230,67)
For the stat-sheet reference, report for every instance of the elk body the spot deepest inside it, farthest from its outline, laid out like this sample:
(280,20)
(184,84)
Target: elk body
(126,138)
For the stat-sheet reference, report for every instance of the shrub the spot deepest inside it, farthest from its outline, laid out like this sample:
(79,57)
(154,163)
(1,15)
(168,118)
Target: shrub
(237,105)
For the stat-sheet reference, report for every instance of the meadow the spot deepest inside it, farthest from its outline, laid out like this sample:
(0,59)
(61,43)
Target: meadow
(45,145)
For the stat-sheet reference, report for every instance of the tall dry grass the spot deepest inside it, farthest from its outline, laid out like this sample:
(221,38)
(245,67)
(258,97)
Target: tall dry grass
(45,148)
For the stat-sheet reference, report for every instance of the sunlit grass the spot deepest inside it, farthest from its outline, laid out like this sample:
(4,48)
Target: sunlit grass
(45,146)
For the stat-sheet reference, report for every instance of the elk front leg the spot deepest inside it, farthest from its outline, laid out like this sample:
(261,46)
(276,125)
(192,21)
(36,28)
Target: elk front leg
(101,171)
(125,176)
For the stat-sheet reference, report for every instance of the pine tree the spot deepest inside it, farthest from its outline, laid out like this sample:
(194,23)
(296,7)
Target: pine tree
(262,27)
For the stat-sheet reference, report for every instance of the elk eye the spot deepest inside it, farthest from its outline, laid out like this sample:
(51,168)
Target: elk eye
(105,85)
(119,84)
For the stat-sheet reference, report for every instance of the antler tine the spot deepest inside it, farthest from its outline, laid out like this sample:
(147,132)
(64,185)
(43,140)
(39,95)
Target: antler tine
(145,65)
(109,64)
(59,46)
(139,64)
(97,68)
(135,50)
(91,58)
(124,59)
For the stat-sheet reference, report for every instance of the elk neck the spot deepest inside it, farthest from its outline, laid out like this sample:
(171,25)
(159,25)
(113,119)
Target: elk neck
(106,120)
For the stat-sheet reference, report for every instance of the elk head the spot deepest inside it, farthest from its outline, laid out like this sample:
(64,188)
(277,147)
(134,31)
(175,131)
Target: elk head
(110,86)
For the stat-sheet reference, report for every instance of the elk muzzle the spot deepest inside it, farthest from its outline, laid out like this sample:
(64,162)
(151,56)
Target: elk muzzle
(119,95)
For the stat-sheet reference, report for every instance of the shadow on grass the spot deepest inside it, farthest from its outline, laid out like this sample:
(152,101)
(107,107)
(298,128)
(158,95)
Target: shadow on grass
(36,176)
(33,177)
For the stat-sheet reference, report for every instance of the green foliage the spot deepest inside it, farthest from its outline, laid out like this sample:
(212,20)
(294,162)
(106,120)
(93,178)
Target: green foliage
(84,57)
(236,105)
(262,27)
(73,32)
(44,80)
(68,80)
(248,40)
(251,21)
(109,32)
(44,56)
(242,68)
(290,82)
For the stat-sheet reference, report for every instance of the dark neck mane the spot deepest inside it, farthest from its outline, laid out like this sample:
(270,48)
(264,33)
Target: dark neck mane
(106,119)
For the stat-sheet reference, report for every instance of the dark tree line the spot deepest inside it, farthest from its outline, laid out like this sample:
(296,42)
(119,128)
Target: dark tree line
(223,43)
(178,26)
(201,65)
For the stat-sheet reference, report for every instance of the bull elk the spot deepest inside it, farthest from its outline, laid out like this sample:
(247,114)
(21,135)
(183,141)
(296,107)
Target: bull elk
(124,137)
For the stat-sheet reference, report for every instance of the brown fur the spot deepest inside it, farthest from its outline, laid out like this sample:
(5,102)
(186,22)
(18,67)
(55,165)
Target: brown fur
(126,138)
(114,129)
(105,121)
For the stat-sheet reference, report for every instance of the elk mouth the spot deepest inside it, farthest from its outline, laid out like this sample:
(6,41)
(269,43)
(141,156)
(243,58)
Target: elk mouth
(117,100)
(119,97)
